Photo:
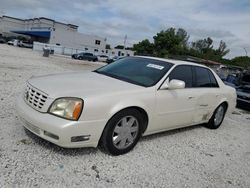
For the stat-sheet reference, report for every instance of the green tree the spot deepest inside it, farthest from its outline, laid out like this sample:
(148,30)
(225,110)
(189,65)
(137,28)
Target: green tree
(243,61)
(203,48)
(175,43)
(170,42)
(144,47)
(183,36)
(222,50)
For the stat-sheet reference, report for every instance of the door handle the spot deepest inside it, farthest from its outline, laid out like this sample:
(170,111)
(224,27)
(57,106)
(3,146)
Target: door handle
(190,97)
(203,105)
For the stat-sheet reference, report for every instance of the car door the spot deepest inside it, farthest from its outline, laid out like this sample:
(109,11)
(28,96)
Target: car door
(209,94)
(81,55)
(175,108)
(90,57)
(85,56)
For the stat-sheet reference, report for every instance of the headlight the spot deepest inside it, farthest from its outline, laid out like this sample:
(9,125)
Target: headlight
(68,108)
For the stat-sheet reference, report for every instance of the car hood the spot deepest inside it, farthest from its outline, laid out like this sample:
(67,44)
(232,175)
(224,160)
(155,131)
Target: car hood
(78,84)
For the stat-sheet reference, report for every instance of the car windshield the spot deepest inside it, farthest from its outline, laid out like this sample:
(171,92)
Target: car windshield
(137,70)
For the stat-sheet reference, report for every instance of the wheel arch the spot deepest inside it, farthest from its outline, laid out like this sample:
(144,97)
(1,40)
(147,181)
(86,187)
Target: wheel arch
(225,102)
(140,109)
(142,112)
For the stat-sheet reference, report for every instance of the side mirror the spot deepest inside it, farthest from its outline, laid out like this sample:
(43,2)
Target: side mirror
(173,84)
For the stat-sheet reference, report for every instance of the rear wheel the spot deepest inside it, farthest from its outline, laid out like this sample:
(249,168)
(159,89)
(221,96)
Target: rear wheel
(80,58)
(218,117)
(122,132)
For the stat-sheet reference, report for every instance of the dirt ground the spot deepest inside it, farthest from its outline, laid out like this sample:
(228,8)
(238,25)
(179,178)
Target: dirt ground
(189,157)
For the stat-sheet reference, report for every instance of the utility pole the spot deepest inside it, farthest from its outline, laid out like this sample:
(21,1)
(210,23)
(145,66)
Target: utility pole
(245,50)
(125,40)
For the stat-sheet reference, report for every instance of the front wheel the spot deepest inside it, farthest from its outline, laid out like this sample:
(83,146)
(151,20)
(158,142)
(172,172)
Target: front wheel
(218,117)
(122,132)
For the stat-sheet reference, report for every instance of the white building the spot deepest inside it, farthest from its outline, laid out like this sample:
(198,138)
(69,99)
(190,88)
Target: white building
(51,32)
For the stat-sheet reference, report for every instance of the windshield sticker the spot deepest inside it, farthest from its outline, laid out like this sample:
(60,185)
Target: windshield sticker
(155,66)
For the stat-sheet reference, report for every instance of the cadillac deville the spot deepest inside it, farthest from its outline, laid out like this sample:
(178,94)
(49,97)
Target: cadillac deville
(115,105)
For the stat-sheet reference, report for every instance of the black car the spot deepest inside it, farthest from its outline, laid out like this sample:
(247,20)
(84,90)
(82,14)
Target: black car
(242,85)
(2,40)
(113,59)
(85,56)
(243,92)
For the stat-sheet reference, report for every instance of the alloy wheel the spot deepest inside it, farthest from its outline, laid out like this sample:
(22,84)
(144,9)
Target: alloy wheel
(219,115)
(125,132)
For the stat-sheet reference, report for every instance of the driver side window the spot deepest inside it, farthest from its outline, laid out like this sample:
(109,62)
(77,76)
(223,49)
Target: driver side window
(183,73)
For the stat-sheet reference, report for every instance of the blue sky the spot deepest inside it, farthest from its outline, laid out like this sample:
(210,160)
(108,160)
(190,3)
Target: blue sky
(227,20)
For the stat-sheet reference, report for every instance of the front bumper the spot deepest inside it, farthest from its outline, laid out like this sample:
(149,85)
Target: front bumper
(57,130)
(244,104)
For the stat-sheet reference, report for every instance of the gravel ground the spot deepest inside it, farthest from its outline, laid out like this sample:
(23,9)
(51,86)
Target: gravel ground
(189,157)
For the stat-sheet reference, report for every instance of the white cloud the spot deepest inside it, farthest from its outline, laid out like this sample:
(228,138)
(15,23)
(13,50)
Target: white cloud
(226,20)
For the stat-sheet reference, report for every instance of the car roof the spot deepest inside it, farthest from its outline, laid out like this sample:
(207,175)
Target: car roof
(176,62)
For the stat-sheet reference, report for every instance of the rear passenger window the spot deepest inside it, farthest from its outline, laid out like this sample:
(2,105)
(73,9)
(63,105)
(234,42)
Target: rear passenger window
(213,80)
(204,78)
(184,73)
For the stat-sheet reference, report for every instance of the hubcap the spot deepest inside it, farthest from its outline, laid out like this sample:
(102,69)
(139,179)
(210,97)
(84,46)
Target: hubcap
(125,132)
(219,115)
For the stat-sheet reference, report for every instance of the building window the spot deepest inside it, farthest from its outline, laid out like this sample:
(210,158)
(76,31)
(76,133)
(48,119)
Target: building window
(86,49)
(97,42)
(107,51)
(96,50)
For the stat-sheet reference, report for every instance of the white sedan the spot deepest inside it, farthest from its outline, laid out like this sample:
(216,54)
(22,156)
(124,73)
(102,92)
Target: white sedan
(117,104)
(102,58)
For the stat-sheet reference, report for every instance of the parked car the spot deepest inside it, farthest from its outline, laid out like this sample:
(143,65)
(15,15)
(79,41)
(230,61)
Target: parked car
(25,44)
(232,80)
(117,104)
(102,58)
(13,42)
(113,59)
(2,40)
(242,85)
(243,92)
(85,56)
(10,42)
(223,71)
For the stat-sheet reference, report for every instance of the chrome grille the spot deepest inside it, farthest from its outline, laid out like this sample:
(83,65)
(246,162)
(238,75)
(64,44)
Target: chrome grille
(35,97)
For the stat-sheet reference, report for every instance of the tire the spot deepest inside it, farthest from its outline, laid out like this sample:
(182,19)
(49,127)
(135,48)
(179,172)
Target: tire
(119,137)
(80,58)
(217,117)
